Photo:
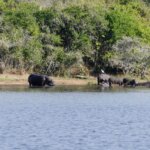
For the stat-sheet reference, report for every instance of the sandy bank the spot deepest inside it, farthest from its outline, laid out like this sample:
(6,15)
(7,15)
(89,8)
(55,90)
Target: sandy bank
(13,79)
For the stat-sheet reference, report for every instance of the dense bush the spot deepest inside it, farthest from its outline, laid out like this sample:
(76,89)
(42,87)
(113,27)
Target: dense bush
(131,56)
(74,37)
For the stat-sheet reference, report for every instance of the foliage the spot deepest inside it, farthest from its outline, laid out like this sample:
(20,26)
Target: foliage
(131,56)
(63,37)
(127,21)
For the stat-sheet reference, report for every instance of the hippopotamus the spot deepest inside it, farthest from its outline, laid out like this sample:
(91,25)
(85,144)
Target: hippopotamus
(39,80)
(129,82)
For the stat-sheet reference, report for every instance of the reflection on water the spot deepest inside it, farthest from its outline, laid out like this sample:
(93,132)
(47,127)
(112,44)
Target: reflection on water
(69,88)
(46,119)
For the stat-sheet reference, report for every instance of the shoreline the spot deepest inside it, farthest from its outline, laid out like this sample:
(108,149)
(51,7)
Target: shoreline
(14,79)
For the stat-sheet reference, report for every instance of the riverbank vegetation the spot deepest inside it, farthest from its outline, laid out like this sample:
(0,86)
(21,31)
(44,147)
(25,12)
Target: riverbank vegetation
(78,37)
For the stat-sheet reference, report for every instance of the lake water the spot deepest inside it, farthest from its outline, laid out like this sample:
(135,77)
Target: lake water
(74,118)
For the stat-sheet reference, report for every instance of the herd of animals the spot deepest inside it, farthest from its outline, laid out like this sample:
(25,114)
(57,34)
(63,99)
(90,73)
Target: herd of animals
(103,79)
(106,80)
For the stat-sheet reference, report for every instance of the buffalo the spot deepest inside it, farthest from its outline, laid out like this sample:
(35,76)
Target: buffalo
(103,79)
(39,80)
(106,79)
(114,80)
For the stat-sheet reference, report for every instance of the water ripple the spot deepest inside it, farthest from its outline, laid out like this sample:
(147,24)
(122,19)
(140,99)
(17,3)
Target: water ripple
(74,121)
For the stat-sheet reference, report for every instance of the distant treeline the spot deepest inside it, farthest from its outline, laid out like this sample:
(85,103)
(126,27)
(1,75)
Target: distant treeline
(77,37)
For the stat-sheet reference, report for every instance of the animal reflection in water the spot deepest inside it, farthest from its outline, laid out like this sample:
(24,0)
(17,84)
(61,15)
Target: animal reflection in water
(36,80)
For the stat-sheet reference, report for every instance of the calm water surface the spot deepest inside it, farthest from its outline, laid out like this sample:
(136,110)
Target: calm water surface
(74,118)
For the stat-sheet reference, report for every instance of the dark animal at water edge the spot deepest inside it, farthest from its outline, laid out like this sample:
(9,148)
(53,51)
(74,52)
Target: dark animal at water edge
(114,80)
(36,80)
(103,79)
(129,82)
